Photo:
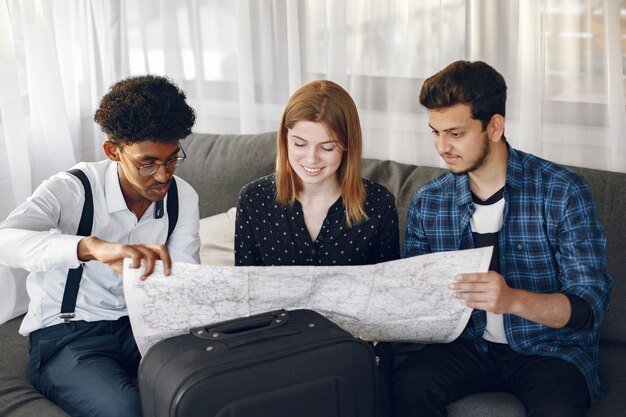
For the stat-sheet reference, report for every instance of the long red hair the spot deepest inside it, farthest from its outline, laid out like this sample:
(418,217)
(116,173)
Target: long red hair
(328,103)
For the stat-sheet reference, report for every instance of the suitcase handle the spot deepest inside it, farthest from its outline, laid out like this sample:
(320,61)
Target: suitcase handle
(243,326)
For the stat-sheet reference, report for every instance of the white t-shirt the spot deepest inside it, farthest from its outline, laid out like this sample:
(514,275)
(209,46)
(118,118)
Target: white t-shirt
(488,219)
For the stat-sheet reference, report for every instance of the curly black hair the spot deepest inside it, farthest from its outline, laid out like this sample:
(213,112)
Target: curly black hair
(146,107)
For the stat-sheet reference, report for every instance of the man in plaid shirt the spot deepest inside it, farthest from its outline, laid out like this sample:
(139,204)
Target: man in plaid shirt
(537,312)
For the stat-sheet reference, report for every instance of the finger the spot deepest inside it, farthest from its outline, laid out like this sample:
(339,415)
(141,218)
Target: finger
(468,286)
(131,251)
(470,296)
(149,258)
(164,255)
(137,253)
(476,277)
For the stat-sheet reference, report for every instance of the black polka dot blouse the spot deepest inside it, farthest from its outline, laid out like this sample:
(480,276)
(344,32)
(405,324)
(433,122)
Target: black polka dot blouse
(268,233)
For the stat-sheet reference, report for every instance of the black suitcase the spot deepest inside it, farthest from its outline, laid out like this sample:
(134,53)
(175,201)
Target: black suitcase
(282,363)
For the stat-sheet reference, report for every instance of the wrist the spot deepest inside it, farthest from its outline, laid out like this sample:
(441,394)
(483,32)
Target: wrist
(516,305)
(84,249)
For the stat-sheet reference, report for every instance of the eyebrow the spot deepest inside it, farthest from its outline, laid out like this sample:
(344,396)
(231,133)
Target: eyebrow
(448,129)
(328,141)
(150,157)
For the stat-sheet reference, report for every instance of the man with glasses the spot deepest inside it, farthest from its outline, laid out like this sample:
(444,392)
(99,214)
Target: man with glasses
(86,360)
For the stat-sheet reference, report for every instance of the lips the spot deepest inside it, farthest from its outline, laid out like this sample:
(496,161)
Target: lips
(161,188)
(311,171)
(450,159)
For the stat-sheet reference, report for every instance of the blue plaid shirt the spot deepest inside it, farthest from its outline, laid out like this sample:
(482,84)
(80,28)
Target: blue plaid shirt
(551,241)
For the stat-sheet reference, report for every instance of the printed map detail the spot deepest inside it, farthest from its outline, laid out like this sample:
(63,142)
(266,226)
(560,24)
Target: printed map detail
(402,300)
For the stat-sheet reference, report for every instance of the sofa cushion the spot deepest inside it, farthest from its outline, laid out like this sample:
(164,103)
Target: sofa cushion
(613,373)
(217,239)
(18,398)
(401,179)
(488,404)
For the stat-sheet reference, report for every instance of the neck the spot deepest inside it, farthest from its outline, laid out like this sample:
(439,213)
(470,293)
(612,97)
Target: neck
(139,207)
(135,202)
(319,192)
(491,175)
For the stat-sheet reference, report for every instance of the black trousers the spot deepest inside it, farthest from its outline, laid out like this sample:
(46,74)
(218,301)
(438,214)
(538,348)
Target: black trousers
(88,369)
(428,380)
(384,368)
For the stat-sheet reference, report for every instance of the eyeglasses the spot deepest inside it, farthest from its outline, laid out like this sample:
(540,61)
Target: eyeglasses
(151,169)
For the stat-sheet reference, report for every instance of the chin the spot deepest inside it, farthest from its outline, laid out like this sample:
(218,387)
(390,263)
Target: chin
(312,180)
(304,177)
(154,198)
(457,170)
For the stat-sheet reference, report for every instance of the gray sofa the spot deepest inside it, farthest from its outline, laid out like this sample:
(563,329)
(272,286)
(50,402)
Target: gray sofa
(218,166)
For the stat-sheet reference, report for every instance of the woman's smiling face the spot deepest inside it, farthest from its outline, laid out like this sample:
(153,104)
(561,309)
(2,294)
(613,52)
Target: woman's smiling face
(314,154)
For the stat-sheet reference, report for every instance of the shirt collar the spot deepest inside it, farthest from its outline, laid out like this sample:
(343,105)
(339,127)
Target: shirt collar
(514,168)
(113,190)
(463,189)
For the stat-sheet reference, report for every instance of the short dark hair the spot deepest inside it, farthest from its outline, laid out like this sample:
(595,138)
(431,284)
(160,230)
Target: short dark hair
(464,82)
(146,107)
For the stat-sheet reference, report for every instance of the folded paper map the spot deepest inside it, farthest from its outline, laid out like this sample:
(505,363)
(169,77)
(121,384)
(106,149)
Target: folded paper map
(403,300)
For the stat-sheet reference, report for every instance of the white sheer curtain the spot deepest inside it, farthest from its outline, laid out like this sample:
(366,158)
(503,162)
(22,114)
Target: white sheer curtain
(239,61)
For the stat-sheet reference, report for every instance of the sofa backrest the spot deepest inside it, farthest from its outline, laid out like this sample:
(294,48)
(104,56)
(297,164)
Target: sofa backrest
(218,166)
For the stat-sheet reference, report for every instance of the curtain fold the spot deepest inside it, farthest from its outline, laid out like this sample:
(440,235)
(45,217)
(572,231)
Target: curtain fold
(245,85)
(50,132)
(531,70)
(294,63)
(15,179)
(615,80)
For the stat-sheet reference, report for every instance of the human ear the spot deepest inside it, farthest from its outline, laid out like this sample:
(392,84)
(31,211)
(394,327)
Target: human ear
(110,150)
(495,128)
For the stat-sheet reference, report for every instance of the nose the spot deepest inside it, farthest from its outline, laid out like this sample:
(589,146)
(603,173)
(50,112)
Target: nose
(312,154)
(442,144)
(163,175)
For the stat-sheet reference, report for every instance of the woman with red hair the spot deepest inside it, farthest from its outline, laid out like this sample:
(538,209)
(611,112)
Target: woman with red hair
(316,209)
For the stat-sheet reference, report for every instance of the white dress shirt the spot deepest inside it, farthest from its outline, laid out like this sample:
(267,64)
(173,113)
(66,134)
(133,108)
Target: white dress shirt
(40,236)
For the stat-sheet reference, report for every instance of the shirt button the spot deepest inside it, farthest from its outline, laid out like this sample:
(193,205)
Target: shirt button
(312,251)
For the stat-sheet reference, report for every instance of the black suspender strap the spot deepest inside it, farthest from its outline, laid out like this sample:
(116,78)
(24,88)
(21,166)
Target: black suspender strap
(68,305)
(172,207)
(74,276)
